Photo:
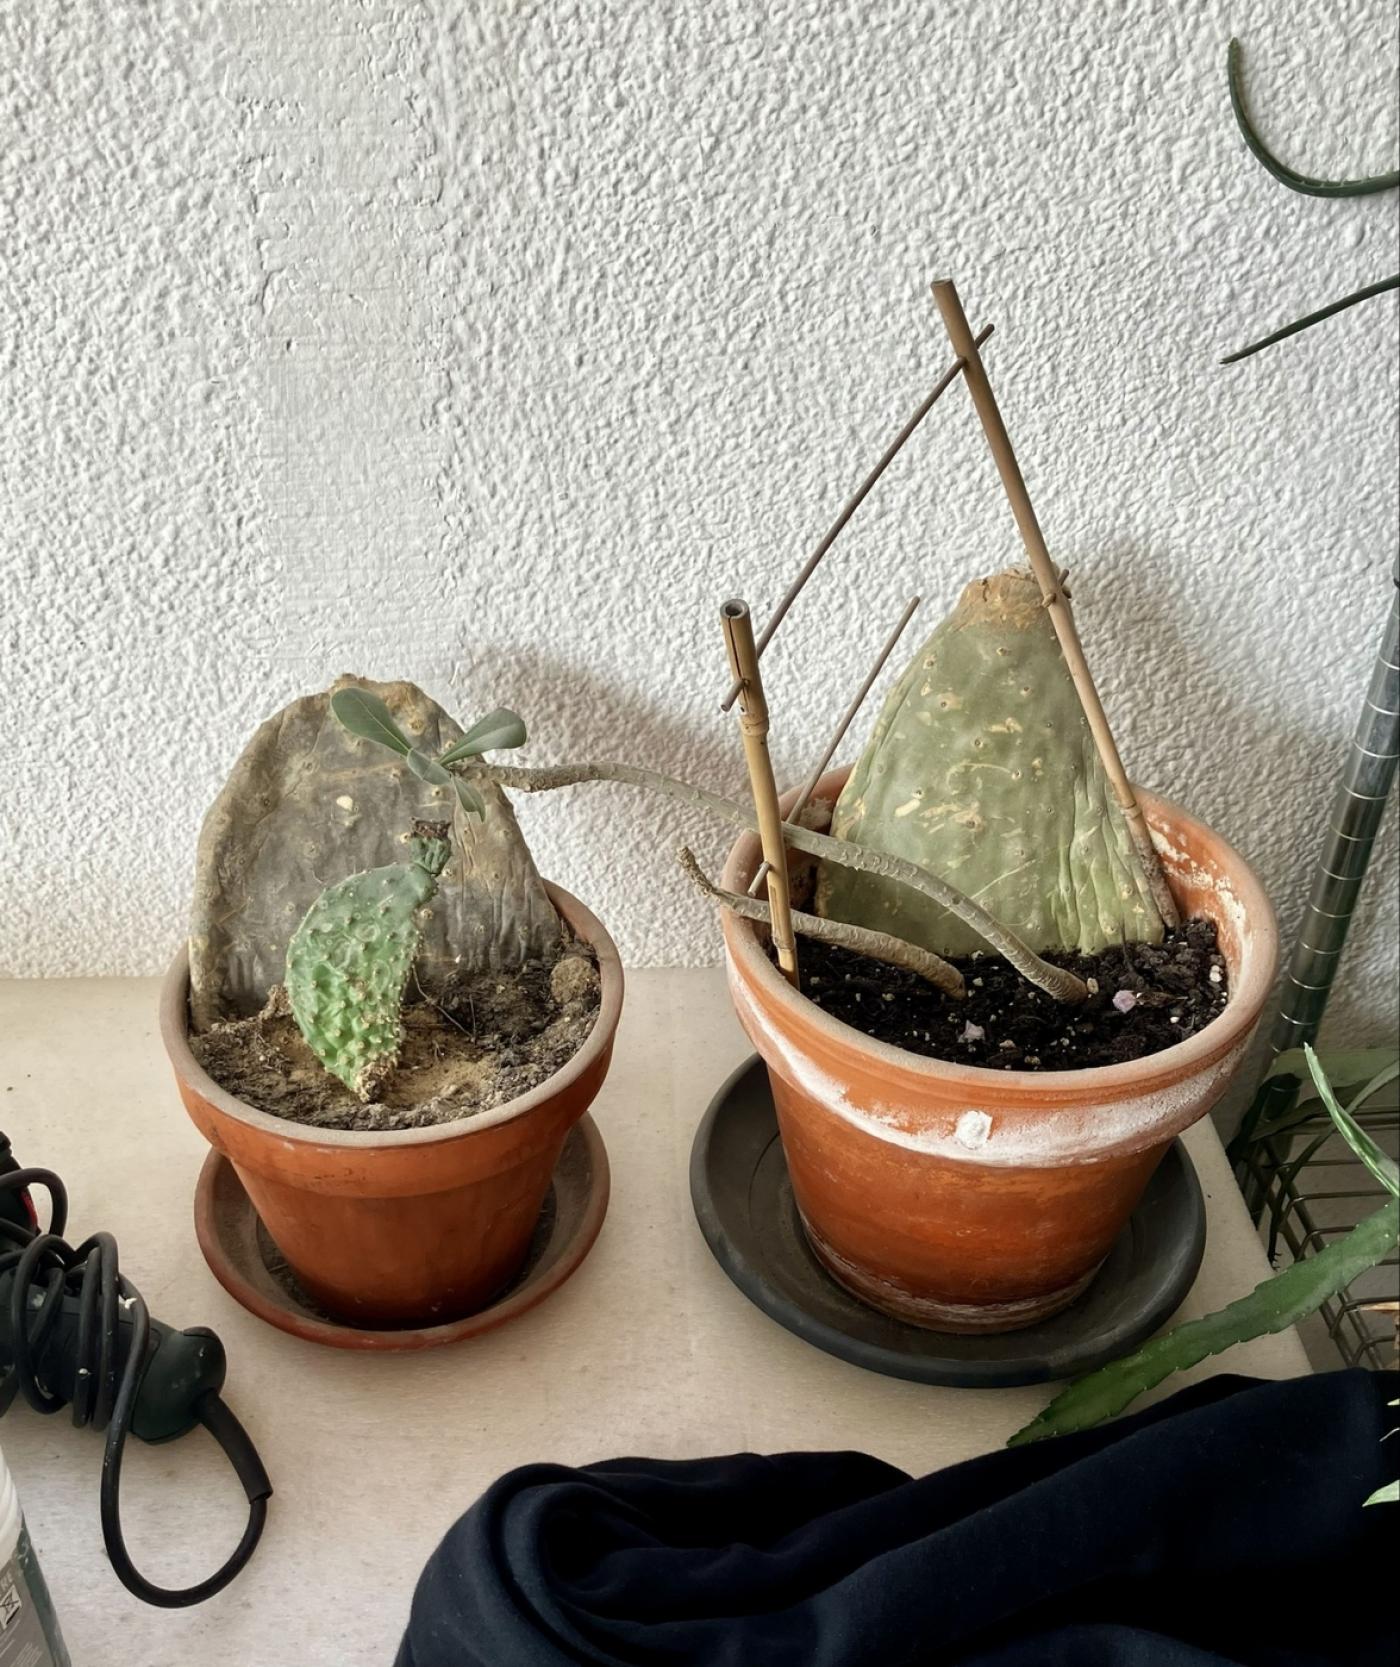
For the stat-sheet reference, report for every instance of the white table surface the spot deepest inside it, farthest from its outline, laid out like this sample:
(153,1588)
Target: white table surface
(648,1349)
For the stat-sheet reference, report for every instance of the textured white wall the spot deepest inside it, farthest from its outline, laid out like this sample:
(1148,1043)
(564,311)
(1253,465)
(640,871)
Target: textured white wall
(493,345)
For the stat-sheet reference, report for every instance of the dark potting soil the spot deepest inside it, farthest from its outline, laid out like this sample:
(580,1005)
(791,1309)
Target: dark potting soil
(491,1038)
(1142,998)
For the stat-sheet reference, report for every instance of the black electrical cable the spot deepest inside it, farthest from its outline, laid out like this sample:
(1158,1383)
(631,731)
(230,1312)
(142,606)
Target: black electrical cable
(46,1270)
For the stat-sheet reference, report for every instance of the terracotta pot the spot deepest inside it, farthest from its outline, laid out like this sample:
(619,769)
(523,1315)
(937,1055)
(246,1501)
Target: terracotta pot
(964,1199)
(415,1226)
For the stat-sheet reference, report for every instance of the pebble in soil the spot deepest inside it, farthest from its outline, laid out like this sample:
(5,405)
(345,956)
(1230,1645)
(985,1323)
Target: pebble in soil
(1142,998)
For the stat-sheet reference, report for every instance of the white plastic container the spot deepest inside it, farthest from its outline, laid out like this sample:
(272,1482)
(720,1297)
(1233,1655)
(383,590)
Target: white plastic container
(29,1635)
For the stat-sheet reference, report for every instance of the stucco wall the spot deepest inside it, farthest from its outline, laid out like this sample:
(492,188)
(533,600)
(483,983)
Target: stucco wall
(493,345)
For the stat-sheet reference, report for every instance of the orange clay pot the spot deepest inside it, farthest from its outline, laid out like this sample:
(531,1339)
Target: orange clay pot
(414,1226)
(964,1199)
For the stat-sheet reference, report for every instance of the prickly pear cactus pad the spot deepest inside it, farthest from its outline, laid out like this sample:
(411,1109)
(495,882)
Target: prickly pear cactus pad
(982,768)
(307,803)
(349,960)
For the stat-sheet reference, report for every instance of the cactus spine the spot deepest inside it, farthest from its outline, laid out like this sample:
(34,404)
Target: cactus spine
(349,962)
(982,769)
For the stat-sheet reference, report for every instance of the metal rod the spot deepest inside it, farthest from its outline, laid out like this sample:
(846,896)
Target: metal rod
(775,619)
(1056,602)
(753,725)
(809,787)
(1358,808)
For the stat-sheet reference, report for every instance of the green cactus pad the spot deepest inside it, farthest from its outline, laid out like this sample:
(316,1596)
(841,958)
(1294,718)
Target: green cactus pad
(982,769)
(349,961)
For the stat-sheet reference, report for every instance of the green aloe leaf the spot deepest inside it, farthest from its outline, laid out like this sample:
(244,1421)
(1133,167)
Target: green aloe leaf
(1345,1068)
(1274,1305)
(1382,1166)
(497,729)
(367,716)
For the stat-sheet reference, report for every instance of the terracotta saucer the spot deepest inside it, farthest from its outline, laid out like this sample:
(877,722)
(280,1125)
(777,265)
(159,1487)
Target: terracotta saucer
(743,1201)
(250,1268)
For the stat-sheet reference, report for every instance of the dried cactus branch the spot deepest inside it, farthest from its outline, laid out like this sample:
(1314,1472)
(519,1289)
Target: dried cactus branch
(1055,981)
(879,946)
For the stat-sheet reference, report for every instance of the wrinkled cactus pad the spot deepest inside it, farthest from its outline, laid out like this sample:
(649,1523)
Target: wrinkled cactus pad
(982,769)
(307,802)
(349,962)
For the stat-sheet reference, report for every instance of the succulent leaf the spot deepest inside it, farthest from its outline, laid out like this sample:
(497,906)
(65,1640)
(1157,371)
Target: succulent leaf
(367,716)
(467,796)
(496,730)
(427,769)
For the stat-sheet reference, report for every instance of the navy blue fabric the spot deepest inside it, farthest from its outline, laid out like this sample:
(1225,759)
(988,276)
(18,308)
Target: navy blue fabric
(1225,1525)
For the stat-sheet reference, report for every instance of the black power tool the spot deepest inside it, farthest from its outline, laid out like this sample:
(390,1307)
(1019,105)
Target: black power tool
(74,1331)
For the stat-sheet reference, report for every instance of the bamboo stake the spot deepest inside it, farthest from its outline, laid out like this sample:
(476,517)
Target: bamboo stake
(847,719)
(1056,602)
(775,619)
(753,726)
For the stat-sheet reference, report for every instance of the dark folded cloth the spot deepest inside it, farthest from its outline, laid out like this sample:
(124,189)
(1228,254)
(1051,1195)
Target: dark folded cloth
(1227,1524)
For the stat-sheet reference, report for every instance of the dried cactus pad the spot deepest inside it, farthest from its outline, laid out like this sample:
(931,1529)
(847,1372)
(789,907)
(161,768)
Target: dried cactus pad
(306,804)
(349,960)
(982,769)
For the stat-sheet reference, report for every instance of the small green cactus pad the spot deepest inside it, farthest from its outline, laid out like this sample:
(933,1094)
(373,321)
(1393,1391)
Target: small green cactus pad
(306,801)
(349,960)
(982,769)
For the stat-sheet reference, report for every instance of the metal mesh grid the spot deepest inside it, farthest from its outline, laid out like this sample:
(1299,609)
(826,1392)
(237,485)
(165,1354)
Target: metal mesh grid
(1314,1190)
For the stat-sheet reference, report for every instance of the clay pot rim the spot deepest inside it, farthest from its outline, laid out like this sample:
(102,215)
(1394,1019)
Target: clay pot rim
(174,1030)
(1250,984)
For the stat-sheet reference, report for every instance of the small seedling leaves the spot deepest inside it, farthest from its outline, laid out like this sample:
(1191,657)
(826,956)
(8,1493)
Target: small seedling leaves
(467,796)
(427,769)
(496,730)
(367,716)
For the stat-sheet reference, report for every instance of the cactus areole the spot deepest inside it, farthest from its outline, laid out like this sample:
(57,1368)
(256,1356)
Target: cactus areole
(349,961)
(982,769)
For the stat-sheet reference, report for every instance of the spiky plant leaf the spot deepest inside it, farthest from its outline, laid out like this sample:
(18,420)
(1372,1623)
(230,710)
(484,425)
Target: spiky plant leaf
(1383,1167)
(1346,1068)
(1274,1305)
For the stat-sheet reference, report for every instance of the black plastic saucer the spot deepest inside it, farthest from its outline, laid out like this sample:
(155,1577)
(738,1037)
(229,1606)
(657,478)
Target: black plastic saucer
(743,1201)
